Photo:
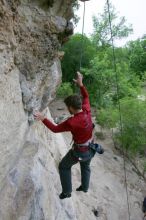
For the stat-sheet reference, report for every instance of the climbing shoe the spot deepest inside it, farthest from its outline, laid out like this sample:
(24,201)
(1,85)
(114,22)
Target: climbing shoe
(64,195)
(80,188)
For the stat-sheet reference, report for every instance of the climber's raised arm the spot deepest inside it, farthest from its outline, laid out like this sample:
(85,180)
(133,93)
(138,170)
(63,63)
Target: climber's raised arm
(84,93)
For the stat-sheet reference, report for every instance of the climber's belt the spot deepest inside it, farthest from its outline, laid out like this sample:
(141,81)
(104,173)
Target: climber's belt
(79,148)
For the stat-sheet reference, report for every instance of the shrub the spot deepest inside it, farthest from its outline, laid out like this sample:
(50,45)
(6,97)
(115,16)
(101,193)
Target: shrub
(133,125)
(108,117)
(64,90)
(133,115)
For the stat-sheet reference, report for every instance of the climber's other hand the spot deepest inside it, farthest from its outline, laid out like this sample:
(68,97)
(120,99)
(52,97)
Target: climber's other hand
(39,116)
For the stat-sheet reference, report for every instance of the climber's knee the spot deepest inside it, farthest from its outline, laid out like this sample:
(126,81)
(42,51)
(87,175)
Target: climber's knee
(60,166)
(63,165)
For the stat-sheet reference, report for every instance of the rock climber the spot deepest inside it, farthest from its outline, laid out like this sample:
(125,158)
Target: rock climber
(81,126)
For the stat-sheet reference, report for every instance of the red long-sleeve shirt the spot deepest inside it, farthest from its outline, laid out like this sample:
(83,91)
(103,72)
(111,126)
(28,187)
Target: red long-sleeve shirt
(80,125)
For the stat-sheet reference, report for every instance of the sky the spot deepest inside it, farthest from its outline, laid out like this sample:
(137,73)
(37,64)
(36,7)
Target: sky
(133,10)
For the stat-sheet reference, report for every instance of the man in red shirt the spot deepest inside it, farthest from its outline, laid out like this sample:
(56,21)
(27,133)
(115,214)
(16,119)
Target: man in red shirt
(81,127)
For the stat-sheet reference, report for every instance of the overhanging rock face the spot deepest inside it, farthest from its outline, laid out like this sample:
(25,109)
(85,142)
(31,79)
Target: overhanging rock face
(31,34)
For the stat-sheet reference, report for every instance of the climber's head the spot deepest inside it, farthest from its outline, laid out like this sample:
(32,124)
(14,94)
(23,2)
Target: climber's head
(73,103)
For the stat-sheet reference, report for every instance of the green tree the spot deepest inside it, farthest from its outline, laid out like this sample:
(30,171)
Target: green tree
(101,73)
(134,125)
(103,80)
(137,54)
(102,34)
(64,90)
(133,115)
(108,118)
(71,59)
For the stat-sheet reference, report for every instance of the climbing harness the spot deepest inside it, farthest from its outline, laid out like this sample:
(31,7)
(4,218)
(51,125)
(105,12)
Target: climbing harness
(119,104)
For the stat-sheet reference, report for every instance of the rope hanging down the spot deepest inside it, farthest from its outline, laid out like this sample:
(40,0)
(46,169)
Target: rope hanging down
(119,104)
(82,40)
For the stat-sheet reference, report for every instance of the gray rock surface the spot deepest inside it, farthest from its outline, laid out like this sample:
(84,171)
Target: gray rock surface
(30,39)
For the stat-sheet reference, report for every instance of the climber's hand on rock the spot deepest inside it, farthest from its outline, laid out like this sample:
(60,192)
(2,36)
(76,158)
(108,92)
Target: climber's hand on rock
(79,79)
(39,116)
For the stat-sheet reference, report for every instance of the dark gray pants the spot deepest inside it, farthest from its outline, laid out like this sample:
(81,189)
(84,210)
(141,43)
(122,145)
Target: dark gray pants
(65,171)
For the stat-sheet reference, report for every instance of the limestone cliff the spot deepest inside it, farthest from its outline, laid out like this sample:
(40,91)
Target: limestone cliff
(30,40)
(31,34)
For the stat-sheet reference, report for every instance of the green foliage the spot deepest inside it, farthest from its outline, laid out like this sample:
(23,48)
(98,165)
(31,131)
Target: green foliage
(108,118)
(133,115)
(137,53)
(64,90)
(75,6)
(103,79)
(97,61)
(102,35)
(133,124)
(71,59)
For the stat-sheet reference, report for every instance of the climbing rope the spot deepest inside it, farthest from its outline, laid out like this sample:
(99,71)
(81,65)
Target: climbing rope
(82,40)
(119,104)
